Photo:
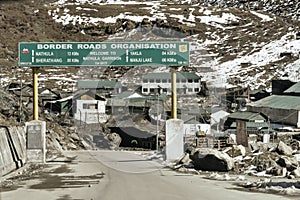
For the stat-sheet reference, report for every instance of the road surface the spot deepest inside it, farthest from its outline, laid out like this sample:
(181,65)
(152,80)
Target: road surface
(120,175)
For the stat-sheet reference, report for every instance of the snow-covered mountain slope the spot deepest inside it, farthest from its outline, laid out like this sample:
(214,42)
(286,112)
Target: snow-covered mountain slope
(237,46)
(233,43)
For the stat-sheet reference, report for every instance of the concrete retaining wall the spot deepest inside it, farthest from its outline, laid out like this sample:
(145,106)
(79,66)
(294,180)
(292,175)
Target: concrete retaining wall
(12,148)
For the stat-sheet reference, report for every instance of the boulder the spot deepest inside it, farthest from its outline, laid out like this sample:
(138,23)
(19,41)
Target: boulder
(71,146)
(212,160)
(239,150)
(295,145)
(254,147)
(115,139)
(296,173)
(284,149)
(275,171)
(185,161)
(290,163)
(75,137)
(263,147)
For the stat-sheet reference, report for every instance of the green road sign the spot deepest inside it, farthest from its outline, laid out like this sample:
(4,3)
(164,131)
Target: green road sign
(104,54)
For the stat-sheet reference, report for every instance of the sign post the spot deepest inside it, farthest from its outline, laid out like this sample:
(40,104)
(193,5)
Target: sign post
(35,93)
(174,93)
(104,54)
(172,54)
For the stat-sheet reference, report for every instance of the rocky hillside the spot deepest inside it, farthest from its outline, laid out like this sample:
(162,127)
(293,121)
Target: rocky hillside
(284,8)
(233,43)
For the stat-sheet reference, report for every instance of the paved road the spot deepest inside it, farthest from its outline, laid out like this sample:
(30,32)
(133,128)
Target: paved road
(127,176)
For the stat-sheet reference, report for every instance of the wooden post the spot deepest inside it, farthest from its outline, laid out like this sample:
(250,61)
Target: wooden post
(241,133)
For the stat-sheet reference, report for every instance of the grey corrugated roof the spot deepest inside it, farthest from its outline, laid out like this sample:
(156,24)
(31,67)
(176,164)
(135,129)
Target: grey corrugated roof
(127,102)
(167,75)
(252,125)
(279,102)
(94,84)
(246,116)
(295,88)
(124,95)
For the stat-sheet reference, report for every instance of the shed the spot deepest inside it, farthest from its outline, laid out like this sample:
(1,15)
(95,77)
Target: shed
(252,127)
(60,106)
(47,95)
(255,118)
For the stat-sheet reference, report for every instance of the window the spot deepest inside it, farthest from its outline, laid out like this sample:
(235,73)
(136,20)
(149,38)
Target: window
(190,80)
(196,89)
(152,90)
(190,89)
(145,80)
(88,106)
(183,80)
(151,80)
(196,80)
(145,90)
(157,80)
(164,81)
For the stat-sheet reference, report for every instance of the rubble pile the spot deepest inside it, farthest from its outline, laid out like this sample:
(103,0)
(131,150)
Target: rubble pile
(60,134)
(62,138)
(274,187)
(261,160)
(10,108)
(274,160)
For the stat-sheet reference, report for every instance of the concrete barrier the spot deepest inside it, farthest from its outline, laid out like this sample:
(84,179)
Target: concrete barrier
(12,148)
(7,163)
(18,138)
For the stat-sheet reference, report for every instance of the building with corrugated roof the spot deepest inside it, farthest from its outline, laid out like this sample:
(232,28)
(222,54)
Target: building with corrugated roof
(281,109)
(293,90)
(160,82)
(90,99)
(100,86)
(89,107)
(256,122)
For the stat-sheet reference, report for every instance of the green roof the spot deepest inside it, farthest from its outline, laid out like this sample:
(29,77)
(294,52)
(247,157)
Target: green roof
(126,103)
(250,116)
(97,84)
(279,102)
(252,125)
(294,89)
(167,75)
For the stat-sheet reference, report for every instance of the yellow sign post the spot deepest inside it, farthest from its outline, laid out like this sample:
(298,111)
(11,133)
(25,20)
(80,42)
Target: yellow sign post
(35,93)
(174,93)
